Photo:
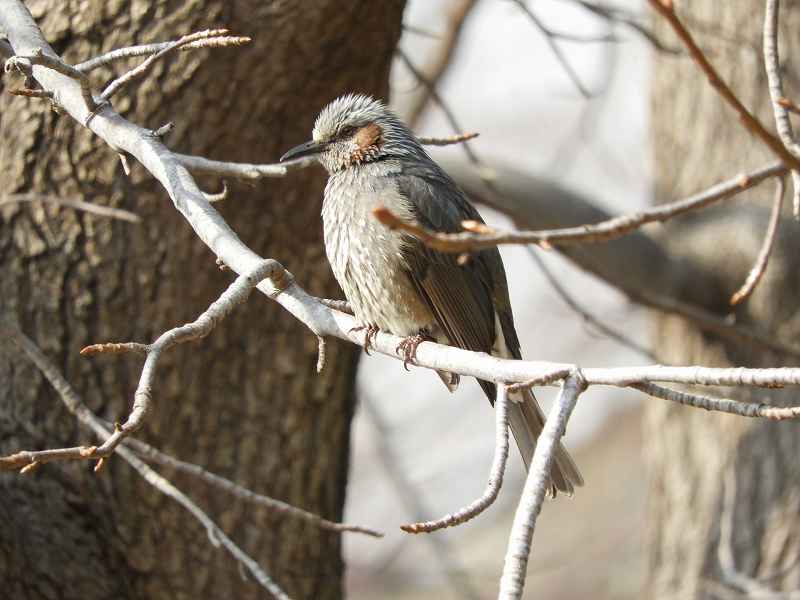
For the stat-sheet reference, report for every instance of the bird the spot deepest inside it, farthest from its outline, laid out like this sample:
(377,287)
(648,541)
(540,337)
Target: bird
(392,281)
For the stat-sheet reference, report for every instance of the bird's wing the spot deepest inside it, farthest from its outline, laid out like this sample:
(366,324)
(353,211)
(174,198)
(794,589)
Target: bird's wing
(461,297)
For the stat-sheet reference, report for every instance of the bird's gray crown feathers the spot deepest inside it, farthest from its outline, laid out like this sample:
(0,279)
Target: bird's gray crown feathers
(359,129)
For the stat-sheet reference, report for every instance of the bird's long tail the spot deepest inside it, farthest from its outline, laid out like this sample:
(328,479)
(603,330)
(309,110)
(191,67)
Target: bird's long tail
(526,420)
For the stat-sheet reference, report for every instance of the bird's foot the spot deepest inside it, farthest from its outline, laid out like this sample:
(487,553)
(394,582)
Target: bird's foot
(370,331)
(407,348)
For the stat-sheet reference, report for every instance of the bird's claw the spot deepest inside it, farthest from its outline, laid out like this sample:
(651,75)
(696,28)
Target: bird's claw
(369,335)
(407,347)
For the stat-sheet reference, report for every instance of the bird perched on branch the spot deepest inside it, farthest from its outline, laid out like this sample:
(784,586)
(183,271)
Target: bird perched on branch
(393,282)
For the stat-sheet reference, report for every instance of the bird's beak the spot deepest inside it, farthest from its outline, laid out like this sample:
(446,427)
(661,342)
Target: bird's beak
(307,149)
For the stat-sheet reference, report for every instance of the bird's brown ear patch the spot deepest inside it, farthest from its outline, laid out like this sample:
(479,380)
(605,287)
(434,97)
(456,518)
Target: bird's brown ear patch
(369,135)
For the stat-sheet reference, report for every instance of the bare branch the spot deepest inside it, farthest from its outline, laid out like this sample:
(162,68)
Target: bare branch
(760,266)
(495,475)
(235,295)
(588,317)
(446,141)
(440,63)
(29,93)
(480,236)
(151,454)
(198,164)
(536,485)
(215,534)
(95,209)
(149,49)
(24,64)
(555,48)
(775,85)
(448,113)
(734,407)
(666,10)
(85,416)
(623,17)
(211,37)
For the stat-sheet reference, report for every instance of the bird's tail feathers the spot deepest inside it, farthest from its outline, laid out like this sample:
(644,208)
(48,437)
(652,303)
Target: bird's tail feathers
(526,420)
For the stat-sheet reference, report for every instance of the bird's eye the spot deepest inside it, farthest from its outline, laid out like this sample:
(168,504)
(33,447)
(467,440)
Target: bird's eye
(347,131)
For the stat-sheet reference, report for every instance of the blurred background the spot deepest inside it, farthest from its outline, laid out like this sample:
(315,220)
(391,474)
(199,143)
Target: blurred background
(420,452)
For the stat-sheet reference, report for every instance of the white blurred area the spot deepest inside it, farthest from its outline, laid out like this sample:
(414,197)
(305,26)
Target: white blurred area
(418,448)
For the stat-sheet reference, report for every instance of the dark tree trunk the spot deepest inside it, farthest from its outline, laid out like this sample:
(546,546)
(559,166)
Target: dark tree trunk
(246,402)
(697,458)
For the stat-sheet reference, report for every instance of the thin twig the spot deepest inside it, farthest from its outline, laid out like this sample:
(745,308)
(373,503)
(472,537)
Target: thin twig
(141,70)
(495,475)
(413,501)
(760,266)
(555,48)
(480,236)
(151,454)
(775,84)
(29,93)
(666,9)
(232,297)
(441,61)
(95,209)
(215,534)
(536,485)
(24,64)
(76,406)
(149,49)
(620,16)
(446,141)
(198,164)
(448,113)
(588,317)
(726,405)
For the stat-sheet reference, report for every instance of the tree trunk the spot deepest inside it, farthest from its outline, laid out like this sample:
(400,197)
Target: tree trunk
(725,492)
(246,402)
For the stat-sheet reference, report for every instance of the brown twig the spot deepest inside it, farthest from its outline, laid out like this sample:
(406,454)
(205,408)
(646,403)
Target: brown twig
(447,141)
(555,48)
(789,105)
(442,60)
(751,123)
(588,317)
(760,266)
(484,237)
(495,475)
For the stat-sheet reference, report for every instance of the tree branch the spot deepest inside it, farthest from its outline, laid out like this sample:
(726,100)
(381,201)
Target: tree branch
(89,207)
(495,475)
(479,236)
(666,9)
(760,266)
(76,406)
(775,85)
(519,543)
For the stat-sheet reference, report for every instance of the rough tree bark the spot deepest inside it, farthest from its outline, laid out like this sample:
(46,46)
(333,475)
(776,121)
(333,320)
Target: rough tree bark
(698,141)
(246,403)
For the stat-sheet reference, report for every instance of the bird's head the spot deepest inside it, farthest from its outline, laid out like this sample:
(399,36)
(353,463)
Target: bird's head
(354,130)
